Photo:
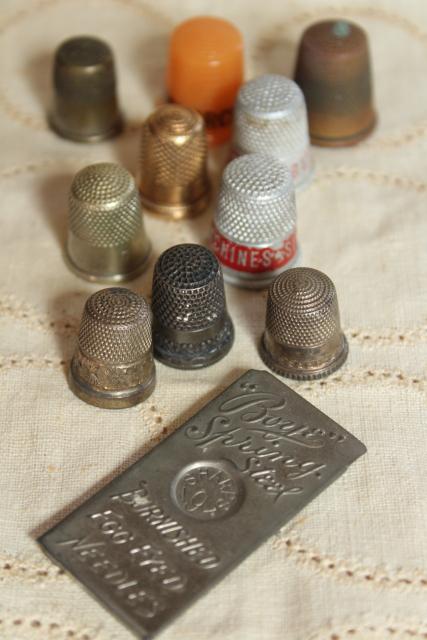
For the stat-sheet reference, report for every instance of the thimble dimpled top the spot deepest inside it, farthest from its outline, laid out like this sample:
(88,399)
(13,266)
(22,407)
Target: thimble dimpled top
(206,70)
(271,118)
(192,328)
(333,71)
(85,106)
(113,364)
(255,220)
(173,175)
(303,337)
(106,235)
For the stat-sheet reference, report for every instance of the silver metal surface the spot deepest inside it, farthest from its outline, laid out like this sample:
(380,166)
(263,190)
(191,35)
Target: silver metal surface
(255,221)
(271,118)
(177,521)
(106,235)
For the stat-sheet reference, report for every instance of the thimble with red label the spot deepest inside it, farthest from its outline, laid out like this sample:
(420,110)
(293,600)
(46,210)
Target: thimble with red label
(255,221)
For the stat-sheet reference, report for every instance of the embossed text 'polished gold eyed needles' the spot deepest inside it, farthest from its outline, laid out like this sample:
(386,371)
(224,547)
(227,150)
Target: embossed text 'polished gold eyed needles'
(177,521)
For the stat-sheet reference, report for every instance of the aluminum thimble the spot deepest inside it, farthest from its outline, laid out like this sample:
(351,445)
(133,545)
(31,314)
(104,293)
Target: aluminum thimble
(333,70)
(173,175)
(192,328)
(113,365)
(106,235)
(85,106)
(271,118)
(255,221)
(303,338)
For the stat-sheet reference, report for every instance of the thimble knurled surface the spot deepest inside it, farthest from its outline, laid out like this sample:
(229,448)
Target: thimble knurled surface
(85,107)
(303,338)
(334,73)
(255,221)
(271,118)
(113,364)
(106,235)
(192,328)
(173,175)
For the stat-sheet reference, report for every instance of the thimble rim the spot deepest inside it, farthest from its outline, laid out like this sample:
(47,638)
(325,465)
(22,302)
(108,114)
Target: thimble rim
(274,112)
(75,136)
(106,278)
(284,184)
(70,57)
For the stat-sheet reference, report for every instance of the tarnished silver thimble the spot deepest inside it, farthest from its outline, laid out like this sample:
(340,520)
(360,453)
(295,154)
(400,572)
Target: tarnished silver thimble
(192,328)
(271,118)
(113,365)
(106,235)
(85,107)
(255,221)
(303,338)
(173,177)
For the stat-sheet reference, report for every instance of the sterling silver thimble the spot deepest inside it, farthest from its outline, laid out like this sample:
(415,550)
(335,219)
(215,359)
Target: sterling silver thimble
(113,364)
(106,235)
(85,107)
(255,221)
(192,328)
(303,338)
(271,118)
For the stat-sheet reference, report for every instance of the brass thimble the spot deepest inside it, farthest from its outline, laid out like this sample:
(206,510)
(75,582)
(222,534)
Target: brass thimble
(334,72)
(113,365)
(192,328)
(85,107)
(173,176)
(303,338)
(106,235)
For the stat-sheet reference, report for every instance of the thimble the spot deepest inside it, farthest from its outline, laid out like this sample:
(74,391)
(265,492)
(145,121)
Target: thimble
(113,365)
(206,70)
(333,71)
(255,221)
(271,118)
(173,176)
(85,106)
(106,236)
(303,338)
(192,328)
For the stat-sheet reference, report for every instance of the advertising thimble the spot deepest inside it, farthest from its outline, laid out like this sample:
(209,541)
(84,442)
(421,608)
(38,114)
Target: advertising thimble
(113,365)
(85,106)
(106,236)
(255,221)
(206,70)
(173,175)
(192,328)
(271,118)
(333,70)
(303,338)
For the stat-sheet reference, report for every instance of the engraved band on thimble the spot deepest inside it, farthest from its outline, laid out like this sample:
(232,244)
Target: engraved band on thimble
(106,235)
(85,107)
(192,328)
(255,221)
(173,175)
(271,118)
(334,72)
(303,338)
(113,364)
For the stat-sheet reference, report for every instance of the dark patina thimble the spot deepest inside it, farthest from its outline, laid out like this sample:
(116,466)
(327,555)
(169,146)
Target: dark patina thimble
(85,106)
(106,235)
(303,337)
(333,70)
(113,364)
(173,176)
(192,328)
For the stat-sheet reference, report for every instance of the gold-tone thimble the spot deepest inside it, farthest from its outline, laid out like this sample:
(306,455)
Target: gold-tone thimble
(106,235)
(303,338)
(173,176)
(113,365)
(85,107)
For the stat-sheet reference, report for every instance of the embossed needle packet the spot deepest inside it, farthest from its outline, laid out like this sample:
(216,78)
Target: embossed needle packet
(178,520)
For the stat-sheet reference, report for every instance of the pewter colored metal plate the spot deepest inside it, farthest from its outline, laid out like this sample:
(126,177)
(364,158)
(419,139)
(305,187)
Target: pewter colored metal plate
(177,521)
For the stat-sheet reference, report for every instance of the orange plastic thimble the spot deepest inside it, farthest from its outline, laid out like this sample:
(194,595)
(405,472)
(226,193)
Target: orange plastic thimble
(206,70)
